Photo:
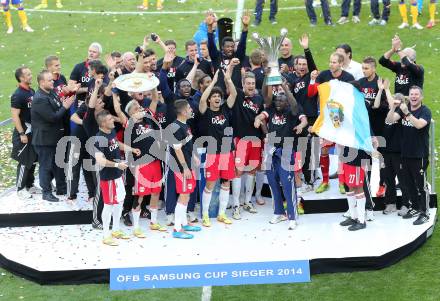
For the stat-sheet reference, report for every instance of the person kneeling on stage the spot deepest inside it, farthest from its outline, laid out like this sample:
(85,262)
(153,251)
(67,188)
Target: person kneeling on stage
(181,142)
(286,119)
(108,156)
(415,119)
(148,170)
(219,165)
(355,163)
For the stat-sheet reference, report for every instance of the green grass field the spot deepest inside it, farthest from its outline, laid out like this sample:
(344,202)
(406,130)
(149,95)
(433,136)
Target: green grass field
(68,35)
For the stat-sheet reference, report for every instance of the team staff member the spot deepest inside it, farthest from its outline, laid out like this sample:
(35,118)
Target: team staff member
(108,156)
(80,73)
(247,141)
(285,119)
(47,115)
(415,118)
(259,11)
(181,150)
(408,73)
(22,150)
(335,72)
(215,117)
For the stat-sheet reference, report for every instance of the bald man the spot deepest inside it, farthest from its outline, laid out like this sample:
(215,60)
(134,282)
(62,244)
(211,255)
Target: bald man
(286,60)
(408,73)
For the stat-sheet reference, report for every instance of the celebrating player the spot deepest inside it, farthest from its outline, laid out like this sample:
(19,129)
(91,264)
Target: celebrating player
(219,162)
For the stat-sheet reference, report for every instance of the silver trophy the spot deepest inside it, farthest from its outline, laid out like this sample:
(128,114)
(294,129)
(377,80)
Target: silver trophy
(270,46)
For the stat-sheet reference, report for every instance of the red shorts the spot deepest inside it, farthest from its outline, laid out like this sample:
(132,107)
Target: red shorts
(113,191)
(185,186)
(298,162)
(148,179)
(247,153)
(353,175)
(219,166)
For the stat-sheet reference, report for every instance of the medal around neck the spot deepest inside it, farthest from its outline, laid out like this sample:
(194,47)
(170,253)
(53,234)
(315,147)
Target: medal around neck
(271,46)
(136,82)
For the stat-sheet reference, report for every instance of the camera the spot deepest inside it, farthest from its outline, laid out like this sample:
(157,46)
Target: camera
(153,37)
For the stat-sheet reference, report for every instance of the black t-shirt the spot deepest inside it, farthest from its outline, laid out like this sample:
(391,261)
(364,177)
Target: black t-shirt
(112,153)
(410,75)
(415,142)
(79,130)
(217,124)
(80,74)
(282,123)
(184,137)
(141,136)
(185,67)
(171,75)
(299,88)
(160,114)
(377,116)
(244,111)
(289,61)
(89,123)
(326,76)
(259,77)
(392,134)
(59,84)
(22,100)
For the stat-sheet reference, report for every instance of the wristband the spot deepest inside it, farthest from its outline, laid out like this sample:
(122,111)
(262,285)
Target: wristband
(22,134)
(116,165)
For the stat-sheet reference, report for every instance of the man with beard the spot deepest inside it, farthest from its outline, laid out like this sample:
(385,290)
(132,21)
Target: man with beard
(221,59)
(21,104)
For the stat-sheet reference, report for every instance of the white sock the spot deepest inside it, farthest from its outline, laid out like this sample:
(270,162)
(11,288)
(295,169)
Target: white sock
(179,216)
(250,182)
(259,181)
(360,206)
(153,215)
(106,217)
(352,205)
(223,200)
(136,215)
(236,189)
(243,186)
(206,200)
(117,213)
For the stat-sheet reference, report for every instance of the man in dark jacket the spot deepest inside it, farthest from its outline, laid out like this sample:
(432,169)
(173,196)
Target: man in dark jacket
(47,115)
